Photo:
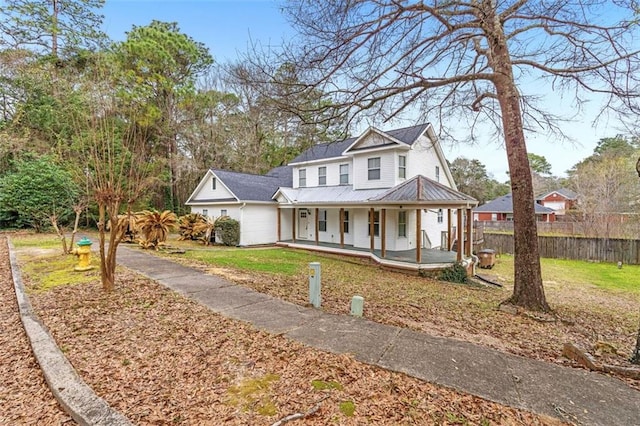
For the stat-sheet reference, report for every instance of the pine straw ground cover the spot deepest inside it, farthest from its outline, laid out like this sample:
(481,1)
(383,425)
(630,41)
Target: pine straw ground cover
(25,398)
(160,358)
(603,322)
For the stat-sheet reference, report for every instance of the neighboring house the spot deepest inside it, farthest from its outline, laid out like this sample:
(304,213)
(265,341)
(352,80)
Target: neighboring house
(501,209)
(561,200)
(387,195)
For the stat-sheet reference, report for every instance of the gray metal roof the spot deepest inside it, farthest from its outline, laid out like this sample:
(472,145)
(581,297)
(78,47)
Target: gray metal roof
(422,190)
(249,187)
(406,135)
(343,194)
(504,204)
(565,192)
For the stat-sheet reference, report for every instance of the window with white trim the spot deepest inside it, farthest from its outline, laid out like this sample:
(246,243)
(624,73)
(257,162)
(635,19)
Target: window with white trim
(402,223)
(373,168)
(223,212)
(402,166)
(322,220)
(302,178)
(376,224)
(213,183)
(205,212)
(440,216)
(437,173)
(345,222)
(322,176)
(344,174)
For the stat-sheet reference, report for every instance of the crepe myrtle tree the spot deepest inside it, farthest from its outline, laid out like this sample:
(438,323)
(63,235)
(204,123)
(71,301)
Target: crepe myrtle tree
(467,62)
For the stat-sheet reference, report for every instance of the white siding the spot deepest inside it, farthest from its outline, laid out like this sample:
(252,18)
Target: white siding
(285,224)
(333,172)
(213,210)
(208,193)
(258,224)
(422,159)
(388,171)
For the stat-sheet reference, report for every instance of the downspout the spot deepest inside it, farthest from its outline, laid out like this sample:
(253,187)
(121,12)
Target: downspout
(241,224)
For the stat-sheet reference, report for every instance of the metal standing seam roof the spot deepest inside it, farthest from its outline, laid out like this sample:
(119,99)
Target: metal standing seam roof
(420,189)
(431,192)
(343,194)
(504,204)
(407,135)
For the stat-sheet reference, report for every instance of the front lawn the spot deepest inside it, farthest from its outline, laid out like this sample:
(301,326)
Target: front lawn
(593,303)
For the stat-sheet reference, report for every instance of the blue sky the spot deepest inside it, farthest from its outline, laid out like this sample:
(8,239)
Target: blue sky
(228,27)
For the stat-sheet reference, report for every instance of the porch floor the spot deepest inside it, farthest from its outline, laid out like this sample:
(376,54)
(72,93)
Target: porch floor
(405,259)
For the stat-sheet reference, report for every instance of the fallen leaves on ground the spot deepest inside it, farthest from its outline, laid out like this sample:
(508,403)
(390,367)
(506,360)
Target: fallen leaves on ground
(160,358)
(25,398)
(585,316)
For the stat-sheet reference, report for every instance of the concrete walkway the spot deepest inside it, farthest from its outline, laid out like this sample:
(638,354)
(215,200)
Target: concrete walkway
(573,395)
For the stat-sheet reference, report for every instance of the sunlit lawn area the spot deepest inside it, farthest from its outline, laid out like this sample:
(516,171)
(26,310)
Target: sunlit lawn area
(606,276)
(594,301)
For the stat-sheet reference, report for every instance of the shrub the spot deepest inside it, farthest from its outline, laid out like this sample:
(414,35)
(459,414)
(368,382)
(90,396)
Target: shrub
(228,230)
(188,229)
(155,226)
(455,274)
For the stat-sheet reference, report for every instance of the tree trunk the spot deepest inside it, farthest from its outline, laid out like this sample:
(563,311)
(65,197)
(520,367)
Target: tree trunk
(528,291)
(635,356)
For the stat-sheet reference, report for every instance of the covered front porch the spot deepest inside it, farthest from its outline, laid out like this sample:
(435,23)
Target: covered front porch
(416,225)
(401,259)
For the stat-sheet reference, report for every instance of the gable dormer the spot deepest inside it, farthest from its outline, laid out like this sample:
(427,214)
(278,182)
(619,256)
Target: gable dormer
(374,139)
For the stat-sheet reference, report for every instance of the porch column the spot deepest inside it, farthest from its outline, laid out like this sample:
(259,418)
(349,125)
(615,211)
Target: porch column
(449,229)
(418,236)
(460,236)
(279,225)
(341,228)
(317,227)
(371,236)
(383,232)
(467,247)
(293,224)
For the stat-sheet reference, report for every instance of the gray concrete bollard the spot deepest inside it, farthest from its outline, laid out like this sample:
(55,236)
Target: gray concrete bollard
(314,284)
(357,306)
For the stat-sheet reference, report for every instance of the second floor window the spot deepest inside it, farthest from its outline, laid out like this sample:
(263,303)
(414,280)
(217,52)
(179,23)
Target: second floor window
(322,220)
(344,174)
(402,166)
(373,166)
(322,176)
(402,223)
(302,178)
(213,183)
(437,173)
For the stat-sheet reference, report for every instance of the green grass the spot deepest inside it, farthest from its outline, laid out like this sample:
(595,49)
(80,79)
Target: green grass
(45,241)
(272,260)
(55,270)
(605,276)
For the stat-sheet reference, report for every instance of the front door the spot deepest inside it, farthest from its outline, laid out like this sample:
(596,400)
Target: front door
(303,224)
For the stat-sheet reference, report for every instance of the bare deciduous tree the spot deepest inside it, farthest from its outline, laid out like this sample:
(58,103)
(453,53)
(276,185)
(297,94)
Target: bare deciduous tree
(467,62)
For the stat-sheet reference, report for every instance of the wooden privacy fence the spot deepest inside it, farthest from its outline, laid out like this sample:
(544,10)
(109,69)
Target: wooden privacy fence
(577,248)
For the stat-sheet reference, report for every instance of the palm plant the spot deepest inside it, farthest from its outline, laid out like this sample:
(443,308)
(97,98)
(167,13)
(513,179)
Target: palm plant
(155,226)
(205,229)
(188,224)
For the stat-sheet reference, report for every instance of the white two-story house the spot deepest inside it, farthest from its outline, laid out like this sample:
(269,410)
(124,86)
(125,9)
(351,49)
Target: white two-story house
(386,195)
